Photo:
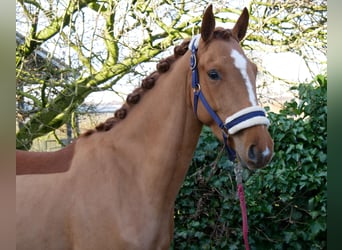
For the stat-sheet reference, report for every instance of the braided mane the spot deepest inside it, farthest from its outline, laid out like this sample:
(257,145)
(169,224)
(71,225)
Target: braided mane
(148,83)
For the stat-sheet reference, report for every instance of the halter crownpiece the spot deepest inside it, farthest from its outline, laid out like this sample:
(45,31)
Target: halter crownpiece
(194,42)
(245,118)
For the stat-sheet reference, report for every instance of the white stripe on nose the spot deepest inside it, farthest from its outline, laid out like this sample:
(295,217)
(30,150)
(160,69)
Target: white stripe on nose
(240,62)
(266,152)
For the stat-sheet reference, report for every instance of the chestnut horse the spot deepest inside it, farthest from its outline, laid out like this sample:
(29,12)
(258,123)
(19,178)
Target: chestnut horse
(117,184)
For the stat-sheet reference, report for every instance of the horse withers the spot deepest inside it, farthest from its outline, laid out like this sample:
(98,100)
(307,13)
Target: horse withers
(115,186)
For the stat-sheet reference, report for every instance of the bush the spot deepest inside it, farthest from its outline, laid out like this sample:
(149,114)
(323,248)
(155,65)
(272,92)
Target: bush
(286,201)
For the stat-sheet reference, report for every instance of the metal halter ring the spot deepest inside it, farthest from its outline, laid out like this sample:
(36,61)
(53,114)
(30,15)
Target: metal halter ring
(197,88)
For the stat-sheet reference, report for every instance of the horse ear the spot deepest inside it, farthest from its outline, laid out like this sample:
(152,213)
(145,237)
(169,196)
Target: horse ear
(240,28)
(208,24)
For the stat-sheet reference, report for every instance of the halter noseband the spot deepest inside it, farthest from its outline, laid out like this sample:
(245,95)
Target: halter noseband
(245,118)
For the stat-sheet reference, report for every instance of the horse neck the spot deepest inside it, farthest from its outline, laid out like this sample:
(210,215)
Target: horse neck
(160,134)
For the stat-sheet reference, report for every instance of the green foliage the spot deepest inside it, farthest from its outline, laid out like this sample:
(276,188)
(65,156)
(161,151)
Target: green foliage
(286,201)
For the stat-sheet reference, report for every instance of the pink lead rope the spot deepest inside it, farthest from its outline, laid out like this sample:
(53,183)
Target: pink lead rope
(244,215)
(238,172)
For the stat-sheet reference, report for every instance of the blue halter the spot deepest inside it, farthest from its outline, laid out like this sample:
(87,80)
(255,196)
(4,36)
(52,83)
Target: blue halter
(242,119)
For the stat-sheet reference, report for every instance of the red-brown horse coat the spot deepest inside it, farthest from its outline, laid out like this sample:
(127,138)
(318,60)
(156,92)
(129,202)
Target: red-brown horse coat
(120,185)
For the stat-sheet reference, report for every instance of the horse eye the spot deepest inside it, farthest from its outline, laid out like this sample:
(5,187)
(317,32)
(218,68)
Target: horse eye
(214,75)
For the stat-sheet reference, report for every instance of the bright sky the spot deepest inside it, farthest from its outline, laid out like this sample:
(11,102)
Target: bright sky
(288,66)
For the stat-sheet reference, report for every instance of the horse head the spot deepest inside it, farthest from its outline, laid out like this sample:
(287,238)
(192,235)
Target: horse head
(223,82)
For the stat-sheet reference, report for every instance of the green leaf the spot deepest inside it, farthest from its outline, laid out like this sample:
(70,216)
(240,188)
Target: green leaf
(316,227)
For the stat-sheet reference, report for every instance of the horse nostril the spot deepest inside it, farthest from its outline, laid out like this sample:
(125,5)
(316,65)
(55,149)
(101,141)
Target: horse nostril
(252,154)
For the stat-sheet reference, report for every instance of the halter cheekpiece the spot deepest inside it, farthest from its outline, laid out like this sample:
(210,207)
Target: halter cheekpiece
(245,118)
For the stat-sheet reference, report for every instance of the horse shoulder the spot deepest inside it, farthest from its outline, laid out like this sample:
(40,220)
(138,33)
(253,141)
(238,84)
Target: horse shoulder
(44,162)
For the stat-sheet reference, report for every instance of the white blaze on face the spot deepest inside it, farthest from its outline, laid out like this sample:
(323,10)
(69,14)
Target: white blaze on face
(240,62)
